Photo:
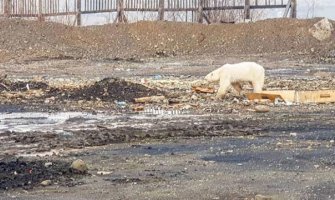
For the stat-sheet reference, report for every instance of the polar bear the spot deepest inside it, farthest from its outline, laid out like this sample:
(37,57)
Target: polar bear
(231,74)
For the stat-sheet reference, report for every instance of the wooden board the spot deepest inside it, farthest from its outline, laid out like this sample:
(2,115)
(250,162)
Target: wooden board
(263,96)
(320,96)
(286,95)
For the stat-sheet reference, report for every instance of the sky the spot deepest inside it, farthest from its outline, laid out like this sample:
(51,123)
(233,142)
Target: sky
(323,8)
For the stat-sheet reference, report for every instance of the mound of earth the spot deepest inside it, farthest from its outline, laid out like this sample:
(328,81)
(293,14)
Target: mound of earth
(27,174)
(31,40)
(110,89)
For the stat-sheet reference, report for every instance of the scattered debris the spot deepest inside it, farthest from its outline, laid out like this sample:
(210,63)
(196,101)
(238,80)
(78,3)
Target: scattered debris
(151,99)
(262,109)
(198,89)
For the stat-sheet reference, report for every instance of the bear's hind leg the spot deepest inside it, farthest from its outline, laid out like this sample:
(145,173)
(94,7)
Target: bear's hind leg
(224,85)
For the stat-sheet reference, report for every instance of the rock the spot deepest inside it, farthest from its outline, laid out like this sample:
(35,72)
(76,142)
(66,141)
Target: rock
(194,97)
(46,182)
(79,166)
(262,109)
(103,173)
(293,134)
(322,30)
(263,197)
(47,164)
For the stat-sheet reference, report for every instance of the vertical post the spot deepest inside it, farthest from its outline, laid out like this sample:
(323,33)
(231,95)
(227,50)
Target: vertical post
(247,9)
(161,10)
(7,6)
(201,11)
(40,11)
(293,13)
(78,13)
(120,11)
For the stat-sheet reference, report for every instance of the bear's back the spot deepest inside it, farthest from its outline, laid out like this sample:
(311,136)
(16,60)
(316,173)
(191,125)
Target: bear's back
(243,71)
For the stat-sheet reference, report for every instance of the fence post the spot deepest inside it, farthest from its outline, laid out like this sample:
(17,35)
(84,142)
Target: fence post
(7,8)
(78,13)
(40,11)
(161,10)
(247,9)
(293,13)
(120,12)
(201,11)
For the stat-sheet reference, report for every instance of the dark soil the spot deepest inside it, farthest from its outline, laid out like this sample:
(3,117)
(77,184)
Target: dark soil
(104,135)
(108,89)
(21,86)
(27,174)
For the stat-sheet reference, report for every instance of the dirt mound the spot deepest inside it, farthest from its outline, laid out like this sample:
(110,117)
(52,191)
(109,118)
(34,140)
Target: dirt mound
(110,89)
(30,40)
(27,174)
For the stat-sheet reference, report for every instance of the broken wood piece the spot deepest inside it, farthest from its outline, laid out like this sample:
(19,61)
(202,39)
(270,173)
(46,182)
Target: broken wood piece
(262,96)
(151,99)
(138,108)
(198,89)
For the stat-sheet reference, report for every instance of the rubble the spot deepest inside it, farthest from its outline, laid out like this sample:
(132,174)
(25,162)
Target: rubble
(262,109)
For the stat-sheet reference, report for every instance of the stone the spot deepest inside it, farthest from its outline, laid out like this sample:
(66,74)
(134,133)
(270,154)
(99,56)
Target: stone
(263,197)
(47,164)
(293,134)
(322,30)
(46,182)
(79,166)
(103,173)
(262,109)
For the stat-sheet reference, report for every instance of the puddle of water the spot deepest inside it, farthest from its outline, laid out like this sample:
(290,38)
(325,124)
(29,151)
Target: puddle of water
(62,121)
(39,121)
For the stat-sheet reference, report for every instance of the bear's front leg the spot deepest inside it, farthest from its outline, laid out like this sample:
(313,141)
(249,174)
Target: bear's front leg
(224,85)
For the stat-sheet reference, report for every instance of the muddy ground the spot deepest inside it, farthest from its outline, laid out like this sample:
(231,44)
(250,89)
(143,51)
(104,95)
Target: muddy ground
(187,146)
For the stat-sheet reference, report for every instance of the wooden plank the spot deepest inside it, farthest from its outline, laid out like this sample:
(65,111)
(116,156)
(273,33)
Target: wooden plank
(286,95)
(247,9)
(320,96)
(287,8)
(263,96)
(161,10)
(78,15)
(201,11)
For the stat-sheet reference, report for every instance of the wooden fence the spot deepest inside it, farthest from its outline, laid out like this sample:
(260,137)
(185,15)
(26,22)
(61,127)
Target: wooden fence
(48,8)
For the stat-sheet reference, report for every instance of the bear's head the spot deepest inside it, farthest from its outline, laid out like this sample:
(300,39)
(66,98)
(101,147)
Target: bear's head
(213,76)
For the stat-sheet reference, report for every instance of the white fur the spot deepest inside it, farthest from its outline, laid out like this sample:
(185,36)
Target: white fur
(230,74)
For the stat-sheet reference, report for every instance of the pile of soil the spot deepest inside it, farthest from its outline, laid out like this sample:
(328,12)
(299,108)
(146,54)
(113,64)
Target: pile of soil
(31,40)
(109,89)
(27,174)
